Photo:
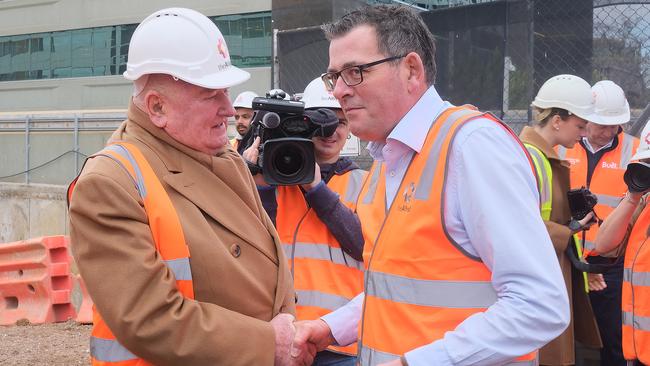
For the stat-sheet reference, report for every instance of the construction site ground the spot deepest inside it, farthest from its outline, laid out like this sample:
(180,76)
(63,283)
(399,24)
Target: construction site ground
(56,344)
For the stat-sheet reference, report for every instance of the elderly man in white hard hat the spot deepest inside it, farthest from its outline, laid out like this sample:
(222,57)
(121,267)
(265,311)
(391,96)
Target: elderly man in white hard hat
(318,227)
(598,163)
(183,265)
(243,115)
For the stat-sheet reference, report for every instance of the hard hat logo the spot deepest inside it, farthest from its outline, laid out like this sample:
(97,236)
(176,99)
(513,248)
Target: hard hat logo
(223,50)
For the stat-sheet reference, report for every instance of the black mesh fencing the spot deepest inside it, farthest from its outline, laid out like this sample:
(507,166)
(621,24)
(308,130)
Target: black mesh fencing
(496,55)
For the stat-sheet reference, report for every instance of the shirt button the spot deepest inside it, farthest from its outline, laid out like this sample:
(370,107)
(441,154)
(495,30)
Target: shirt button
(392,173)
(235,250)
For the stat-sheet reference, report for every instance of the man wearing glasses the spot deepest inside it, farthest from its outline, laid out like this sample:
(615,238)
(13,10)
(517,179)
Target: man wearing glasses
(460,268)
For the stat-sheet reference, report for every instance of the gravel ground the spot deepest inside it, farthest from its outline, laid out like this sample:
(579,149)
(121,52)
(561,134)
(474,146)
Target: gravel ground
(57,344)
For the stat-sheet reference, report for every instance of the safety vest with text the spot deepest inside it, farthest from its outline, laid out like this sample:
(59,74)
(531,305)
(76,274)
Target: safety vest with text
(168,238)
(636,292)
(325,277)
(606,181)
(419,284)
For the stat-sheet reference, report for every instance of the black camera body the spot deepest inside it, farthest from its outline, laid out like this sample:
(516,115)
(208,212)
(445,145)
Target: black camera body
(285,129)
(637,177)
(581,202)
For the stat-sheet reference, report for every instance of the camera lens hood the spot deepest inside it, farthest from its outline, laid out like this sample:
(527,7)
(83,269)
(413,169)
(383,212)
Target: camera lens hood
(637,177)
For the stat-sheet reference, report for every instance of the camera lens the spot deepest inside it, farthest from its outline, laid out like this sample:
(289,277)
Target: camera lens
(288,161)
(637,177)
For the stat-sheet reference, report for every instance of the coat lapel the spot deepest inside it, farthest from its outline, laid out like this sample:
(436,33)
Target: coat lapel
(209,192)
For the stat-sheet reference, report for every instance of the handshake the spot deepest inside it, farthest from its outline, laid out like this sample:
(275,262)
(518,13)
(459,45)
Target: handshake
(296,343)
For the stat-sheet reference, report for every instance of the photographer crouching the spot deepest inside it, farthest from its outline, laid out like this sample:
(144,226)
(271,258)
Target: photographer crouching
(314,211)
(628,228)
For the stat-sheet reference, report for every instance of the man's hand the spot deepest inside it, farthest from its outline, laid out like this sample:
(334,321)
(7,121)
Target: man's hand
(596,281)
(317,179)
(284,333)
(253,152)
(311,336)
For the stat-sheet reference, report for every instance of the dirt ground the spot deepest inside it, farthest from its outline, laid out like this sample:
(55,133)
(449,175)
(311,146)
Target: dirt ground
(58,344)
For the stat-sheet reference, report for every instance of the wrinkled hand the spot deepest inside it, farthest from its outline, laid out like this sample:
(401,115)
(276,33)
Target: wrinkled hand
(253,152)
(317,179)
(596,281)
(311,336)
(284,333)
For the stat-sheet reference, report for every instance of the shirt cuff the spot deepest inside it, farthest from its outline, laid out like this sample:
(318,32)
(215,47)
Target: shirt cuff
(431,354)
(344,321)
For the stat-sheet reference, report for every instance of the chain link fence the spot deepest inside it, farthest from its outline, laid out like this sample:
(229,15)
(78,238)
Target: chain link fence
(497,54)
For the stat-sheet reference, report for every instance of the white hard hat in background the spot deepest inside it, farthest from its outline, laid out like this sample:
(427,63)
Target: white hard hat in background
(185,44)
(643,151)
(568,92)
(316,96)
(244,100)
(611,104)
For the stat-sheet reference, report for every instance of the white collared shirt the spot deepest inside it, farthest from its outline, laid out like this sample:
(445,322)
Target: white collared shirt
(492,211)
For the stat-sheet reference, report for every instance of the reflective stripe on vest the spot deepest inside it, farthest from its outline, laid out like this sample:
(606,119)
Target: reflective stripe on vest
(606,180)
(375,357)
(544,179)
(635,303)
(325,277)
(415,295)
(321,252)
(168,238)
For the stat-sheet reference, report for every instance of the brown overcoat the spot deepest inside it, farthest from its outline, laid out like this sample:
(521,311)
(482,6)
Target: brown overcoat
(583,327)
(240,276)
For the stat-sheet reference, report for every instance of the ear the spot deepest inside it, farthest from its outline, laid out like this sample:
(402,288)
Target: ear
(555,122)
(154,106)
(414,68)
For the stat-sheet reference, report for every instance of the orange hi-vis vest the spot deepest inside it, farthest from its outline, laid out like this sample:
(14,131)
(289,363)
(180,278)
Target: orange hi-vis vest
(235,143)
(419,284)
(606,181)
(168,238)
(325,277)
(636,292)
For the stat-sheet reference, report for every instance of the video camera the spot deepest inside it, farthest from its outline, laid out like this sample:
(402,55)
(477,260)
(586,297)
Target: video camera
(285,128)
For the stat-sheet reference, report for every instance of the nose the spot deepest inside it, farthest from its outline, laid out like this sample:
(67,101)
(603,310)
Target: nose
(341,89)
(228,109)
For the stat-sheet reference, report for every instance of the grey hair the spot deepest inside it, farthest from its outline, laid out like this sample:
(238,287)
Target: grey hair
(399,29)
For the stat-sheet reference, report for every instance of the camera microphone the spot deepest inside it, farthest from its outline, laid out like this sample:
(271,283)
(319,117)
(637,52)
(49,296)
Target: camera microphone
(270,120)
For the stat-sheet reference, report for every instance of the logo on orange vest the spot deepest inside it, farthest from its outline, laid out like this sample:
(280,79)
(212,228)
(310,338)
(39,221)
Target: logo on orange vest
(572,161)
(408,196)
(610,165)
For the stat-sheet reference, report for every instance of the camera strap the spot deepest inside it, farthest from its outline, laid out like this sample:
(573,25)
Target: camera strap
(582,266)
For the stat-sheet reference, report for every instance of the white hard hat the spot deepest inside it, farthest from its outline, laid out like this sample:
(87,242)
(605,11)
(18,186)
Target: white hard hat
(244,100)
(316,96)
(611,104)
(568,92)
(185,44)
(643,151)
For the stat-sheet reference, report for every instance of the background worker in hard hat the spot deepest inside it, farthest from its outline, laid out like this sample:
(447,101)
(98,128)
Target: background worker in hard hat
(169,234)
(318,228)
(460,268)
(243,115)
(562,107)
(627,229)
(598,163)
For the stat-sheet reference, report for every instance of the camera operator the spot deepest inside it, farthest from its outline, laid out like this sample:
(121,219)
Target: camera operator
(598,163)
(629,225)
(318,227)
(563,108)
(243,105)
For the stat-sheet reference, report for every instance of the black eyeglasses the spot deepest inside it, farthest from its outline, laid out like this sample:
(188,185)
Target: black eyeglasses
(351,75)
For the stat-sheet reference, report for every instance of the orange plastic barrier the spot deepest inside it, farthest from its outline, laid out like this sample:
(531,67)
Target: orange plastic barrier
(35,281)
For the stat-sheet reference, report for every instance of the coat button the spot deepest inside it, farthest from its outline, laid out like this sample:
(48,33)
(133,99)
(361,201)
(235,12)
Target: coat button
(235,250)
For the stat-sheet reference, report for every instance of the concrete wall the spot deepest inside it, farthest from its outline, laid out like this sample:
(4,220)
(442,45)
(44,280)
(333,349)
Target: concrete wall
(33,16)
(93,93)
(29,211)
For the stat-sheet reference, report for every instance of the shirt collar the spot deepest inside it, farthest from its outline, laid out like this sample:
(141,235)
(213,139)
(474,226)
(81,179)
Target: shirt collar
(413,128)
(591,149)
